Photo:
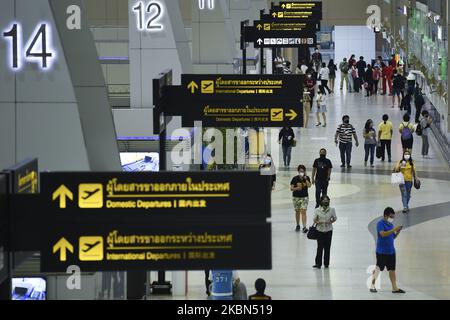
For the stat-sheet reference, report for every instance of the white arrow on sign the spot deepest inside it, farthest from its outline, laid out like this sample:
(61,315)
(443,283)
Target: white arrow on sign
(260,41)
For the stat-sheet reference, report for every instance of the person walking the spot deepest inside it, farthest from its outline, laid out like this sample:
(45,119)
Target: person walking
(286,138)
(343,138)
(419,102)
(370,142)
(332,75)
(321,175)
(397,88)
(385,133)
(324,217)
(310,84)
(385,251)
(316,59)
(406,130)
(425,123)
(376,79)
(324,76)
(368,80)
(352,75)
(344,67)
(408,168)
(361,66)
(300,197)
(306,106)
(321,107)
(354,79)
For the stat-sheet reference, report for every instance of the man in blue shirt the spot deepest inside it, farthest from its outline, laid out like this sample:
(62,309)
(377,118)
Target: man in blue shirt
(386,233)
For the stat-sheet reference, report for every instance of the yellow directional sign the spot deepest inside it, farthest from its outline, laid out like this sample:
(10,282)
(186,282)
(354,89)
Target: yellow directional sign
(62,193)
(277,115)
(63,246)
(266,26)
(274,14)
(192,86)
(90,195)
(207,86)
(292,114)
(259,26)
(90,249)
(283,6)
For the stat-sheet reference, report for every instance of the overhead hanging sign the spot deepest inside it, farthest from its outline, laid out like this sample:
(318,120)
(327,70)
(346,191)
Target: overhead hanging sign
(239,87)
(307,5)
(157,194)
(228,113)
(196,246)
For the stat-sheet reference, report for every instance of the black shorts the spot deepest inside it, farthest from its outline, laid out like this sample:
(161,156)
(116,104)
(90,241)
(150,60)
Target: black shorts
(387,261)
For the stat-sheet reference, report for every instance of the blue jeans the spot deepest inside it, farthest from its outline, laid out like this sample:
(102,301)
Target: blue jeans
(287,154)
(346,152)
(405,190)
(369,149)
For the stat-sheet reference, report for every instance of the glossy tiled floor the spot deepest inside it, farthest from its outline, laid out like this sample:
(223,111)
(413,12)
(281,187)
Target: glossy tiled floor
(359,196)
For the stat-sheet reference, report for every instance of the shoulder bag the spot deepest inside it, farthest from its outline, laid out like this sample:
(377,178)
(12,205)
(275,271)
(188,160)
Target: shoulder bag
(313,234)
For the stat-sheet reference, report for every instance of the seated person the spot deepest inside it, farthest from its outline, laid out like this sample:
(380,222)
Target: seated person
(260,286)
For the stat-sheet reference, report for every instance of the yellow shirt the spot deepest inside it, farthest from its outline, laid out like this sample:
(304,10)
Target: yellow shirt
(404,124)
(386,130)
(407,170)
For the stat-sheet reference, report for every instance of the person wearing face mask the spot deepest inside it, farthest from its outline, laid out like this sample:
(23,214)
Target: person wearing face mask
(299,187)
(370,137)
(286,138)
(310,85)
(324,217)
(406,130)
(321,175)
(385,252)
(267,168)
(343,138)
(425,123)
(407,167)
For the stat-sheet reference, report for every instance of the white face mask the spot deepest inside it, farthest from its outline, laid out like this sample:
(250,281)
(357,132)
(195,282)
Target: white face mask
(301,174)
(268,161)
(407,157)
(391,220)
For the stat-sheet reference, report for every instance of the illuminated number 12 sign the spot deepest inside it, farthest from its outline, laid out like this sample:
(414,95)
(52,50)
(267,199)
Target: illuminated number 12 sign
(36,48)
(155,11)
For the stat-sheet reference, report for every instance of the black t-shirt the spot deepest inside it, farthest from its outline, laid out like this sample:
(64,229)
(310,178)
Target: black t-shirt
(322,166)
(300,193)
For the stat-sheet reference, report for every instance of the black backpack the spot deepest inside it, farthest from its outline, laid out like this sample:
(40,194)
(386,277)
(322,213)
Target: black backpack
(419,129)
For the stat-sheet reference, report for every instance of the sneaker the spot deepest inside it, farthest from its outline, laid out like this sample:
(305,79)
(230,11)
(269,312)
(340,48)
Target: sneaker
(318,125)
(404,210)
(326,267)
(342,165)
(297,229)
(349,166)
(324,125)
(373,290)
(372,166)
(305,230)
(316,267)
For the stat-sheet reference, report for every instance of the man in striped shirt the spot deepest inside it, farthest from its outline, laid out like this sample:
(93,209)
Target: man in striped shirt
(343,138)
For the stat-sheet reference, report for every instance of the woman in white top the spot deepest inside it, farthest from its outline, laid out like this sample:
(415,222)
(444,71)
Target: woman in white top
(321,107)
(324,76)
(324,217)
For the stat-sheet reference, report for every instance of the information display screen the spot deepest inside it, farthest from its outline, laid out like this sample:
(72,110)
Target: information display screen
(29,289)
(139,161)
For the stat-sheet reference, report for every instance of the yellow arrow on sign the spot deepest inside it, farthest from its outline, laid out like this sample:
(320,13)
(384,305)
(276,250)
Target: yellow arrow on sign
(259,27)
(62,246)
(192,86)
(62,193)
(283,6)
(292,115)
(274,14)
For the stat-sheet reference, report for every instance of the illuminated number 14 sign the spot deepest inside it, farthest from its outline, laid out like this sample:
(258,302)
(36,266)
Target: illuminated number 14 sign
(36,48)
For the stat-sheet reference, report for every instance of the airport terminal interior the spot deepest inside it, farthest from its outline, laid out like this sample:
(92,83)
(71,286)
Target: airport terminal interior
(161,149)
